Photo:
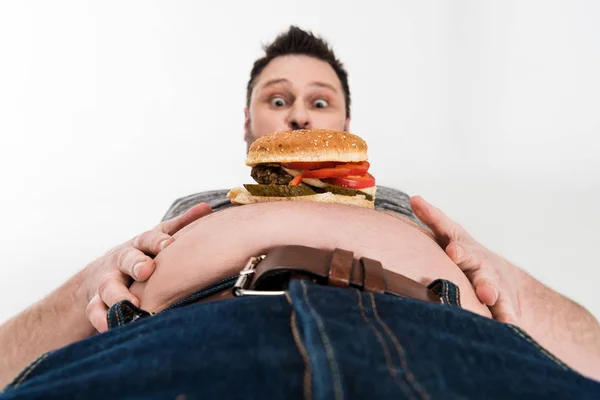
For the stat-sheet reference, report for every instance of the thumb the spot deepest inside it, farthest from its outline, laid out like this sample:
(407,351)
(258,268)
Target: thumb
(477,268)
(504,310)
(173,225)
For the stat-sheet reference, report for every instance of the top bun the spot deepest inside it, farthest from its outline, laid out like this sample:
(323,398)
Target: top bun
(307,145)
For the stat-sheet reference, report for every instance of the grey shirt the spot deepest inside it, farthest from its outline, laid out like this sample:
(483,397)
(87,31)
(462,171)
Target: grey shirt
(385,199)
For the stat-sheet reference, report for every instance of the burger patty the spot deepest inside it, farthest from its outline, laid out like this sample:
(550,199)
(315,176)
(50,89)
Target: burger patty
(270,175)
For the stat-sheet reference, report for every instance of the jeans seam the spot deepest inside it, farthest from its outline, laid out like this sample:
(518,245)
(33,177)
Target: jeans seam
(29,370)
(337,385)
(457,295)
(302,350)
(386,352)
(119,317)
(442,289)
(538,347)
(409,376)
(447,294)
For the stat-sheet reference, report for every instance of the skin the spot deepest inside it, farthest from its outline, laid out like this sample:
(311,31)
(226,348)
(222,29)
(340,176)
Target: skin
(295,92)
(218,246)
(310,97)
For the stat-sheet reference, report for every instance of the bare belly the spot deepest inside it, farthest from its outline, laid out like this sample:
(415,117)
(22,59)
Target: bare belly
(217,246)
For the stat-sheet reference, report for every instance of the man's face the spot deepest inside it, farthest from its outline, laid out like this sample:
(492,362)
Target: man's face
(295,92)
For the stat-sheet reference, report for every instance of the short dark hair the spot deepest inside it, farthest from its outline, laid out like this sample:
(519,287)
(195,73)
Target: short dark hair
(298,41)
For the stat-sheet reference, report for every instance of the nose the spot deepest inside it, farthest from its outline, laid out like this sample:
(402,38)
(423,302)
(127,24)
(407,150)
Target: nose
(299,118)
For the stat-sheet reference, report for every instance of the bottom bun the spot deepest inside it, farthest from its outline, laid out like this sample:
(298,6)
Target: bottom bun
(242,196)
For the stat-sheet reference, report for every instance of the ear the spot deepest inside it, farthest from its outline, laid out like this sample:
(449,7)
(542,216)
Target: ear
(246,124)
(347,125)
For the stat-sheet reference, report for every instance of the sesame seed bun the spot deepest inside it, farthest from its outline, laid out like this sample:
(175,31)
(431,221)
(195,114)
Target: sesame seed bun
(307,145)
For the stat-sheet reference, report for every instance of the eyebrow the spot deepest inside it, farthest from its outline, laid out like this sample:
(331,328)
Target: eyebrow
(325,85)
(275,82)
(287,82)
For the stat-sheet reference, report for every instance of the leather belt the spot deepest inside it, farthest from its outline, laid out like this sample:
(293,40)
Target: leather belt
(270,273)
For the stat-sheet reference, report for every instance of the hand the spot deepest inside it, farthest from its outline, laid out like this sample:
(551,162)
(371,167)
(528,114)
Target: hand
(107,279)
(495,280)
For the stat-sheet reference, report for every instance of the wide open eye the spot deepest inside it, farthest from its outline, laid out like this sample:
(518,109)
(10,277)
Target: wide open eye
(278,102)
(321,103)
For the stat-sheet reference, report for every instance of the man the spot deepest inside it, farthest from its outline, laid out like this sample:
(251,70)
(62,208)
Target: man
(298,84)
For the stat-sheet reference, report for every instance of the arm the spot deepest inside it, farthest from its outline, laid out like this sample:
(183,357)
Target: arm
(559,324)
(34,332)
(78,308)
(563,327)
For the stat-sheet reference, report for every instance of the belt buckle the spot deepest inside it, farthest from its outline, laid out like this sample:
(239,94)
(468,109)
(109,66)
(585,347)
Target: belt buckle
(239,289)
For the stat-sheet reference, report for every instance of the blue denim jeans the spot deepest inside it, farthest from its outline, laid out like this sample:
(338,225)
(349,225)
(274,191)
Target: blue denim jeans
(315,342)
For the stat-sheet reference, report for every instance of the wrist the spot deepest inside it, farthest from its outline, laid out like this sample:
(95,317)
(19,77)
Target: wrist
(68,304)
(78,291)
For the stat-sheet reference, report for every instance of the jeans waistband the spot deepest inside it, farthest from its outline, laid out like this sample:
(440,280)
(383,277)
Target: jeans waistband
(125,312)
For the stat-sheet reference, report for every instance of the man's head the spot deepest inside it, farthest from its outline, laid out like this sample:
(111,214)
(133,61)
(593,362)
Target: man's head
(298,84)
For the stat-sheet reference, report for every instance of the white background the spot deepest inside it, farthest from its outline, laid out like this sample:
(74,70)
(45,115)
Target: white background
(111,110)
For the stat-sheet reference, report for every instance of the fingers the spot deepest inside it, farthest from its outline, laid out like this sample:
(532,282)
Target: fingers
(462,256)
(113,289)
(443,227)
(486,292)
(173,225)
(483,276)
(504,310)
(152,242)
(96,311)
(132,262)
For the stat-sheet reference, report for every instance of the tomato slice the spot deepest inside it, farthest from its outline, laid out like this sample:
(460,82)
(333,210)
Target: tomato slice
(354,169)
(360,165)
(326,173)
(353,182)
(358,169)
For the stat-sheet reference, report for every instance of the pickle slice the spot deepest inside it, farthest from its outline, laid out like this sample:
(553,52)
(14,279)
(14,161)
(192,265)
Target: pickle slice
(279,190)
(347,192)
(301,190)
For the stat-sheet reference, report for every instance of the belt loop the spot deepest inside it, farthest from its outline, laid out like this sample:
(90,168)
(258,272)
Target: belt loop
(340,268)
(374,279)
(124,312)
(447,291)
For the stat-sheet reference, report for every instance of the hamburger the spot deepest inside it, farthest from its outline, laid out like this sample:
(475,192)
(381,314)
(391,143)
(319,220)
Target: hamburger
(314,165)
